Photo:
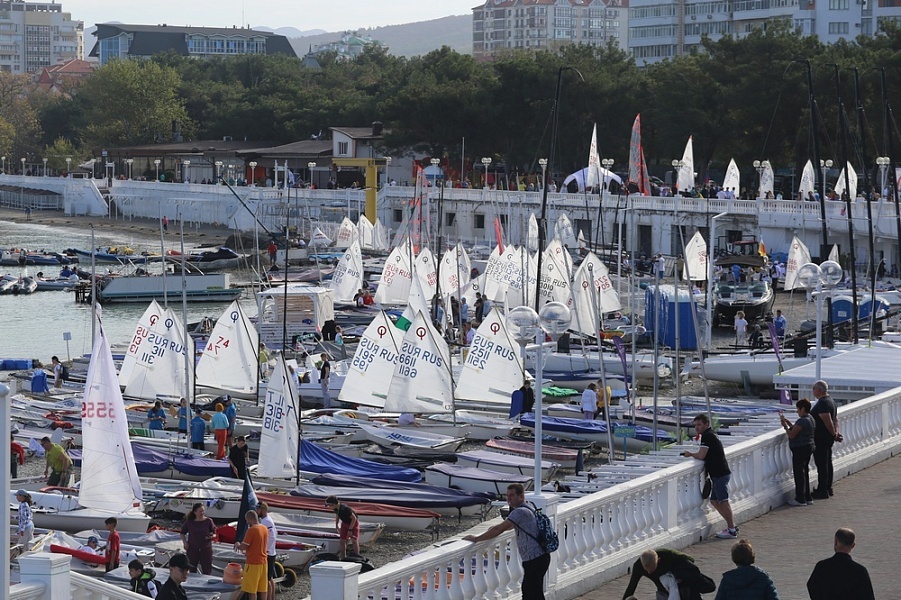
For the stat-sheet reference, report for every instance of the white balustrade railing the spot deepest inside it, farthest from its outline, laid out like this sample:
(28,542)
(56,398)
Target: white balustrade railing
(602,534)
(49,577)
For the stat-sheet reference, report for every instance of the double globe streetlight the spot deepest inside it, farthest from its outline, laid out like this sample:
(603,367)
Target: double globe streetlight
(526,327)
(820,280)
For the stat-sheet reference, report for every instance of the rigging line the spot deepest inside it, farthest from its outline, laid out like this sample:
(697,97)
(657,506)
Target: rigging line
(775,108)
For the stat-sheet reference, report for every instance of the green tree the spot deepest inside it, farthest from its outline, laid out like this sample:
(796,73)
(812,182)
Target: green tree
(131,102)
(57,153)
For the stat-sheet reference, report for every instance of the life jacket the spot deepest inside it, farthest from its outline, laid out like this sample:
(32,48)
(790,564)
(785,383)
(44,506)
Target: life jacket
(142,583)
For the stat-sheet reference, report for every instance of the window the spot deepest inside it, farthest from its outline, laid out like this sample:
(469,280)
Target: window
(479,222)
(449,219)
(838,4)
(397,215)
(342,148)
(838,28)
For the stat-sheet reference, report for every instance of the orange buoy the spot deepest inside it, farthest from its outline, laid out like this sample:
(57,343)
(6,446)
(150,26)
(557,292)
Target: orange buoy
(233,574)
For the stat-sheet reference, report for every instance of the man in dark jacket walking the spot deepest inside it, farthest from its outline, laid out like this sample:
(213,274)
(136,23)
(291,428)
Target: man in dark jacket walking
(839,577)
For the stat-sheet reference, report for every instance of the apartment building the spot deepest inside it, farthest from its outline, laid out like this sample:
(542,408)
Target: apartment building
(34,35)
(500,25)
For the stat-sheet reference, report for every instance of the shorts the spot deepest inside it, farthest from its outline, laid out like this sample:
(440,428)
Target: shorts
(255,579)
(349,533)
(720,489)
(270,564)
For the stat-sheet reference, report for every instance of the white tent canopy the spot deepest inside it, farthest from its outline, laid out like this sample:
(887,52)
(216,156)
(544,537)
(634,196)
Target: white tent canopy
(580,176)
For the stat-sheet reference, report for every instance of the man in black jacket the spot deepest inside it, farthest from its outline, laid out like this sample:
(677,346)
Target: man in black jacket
(839,577)
(673,573)
(178,574)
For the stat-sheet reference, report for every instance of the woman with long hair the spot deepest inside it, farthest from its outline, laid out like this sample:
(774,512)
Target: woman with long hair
(26,518)
(197,536)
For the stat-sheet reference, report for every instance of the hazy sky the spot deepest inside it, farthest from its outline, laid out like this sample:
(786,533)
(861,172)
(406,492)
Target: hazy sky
(330,15)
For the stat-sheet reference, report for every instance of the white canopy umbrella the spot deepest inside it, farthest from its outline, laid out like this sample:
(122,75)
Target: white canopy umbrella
(580,176)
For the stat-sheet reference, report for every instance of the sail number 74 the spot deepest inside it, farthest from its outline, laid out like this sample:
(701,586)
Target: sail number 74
(101,410)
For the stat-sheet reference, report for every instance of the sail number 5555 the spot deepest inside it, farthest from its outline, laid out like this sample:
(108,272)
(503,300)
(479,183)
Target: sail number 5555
(101,410)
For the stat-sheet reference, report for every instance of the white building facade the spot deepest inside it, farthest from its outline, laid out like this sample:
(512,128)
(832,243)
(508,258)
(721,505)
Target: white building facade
(34,35)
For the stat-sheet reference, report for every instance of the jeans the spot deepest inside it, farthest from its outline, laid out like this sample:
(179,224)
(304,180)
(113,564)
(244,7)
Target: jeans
(801,469)
(822,457)
(533,578)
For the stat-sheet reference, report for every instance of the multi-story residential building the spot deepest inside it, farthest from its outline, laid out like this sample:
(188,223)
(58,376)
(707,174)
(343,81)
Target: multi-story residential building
(115,41)
(349,47)
(34,35)
(660,29)
(541,24)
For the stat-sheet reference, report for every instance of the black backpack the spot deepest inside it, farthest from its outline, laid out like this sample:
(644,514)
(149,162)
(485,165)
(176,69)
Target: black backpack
(547,537)
(64,373)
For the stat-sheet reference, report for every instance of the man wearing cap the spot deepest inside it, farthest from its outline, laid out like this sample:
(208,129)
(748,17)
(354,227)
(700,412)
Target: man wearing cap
(57,461)
(91,545)
(231,413)
(178,574)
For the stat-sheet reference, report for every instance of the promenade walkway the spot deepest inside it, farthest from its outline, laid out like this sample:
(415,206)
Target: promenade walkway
(788,541)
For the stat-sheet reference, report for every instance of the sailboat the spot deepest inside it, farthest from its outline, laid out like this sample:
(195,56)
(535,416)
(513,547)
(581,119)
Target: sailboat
(493,369)
(110,486)
(280,435)
(372,367)
(397,275)
(229,360)
(348,276)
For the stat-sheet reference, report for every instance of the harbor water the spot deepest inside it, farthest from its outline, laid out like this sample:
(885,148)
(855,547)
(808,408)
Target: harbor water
(33,326)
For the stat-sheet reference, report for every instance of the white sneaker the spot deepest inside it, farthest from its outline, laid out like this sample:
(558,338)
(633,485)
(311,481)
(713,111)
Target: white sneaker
(796,503)
(727,534)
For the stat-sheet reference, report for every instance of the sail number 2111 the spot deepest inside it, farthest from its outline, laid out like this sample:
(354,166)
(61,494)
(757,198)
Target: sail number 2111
(101,410)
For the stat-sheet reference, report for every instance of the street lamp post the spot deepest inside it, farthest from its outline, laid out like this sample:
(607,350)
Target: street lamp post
(387,164)
(253,167)
(883,162)
(542,162)
(311,165)
(69,166)
(486,162)
(130,162)
(528,326)
(45,166)
(218,164)
(820,280)
(760,167)
(4,164)
(825,165)
(185,173)
(156,165)
(23,159)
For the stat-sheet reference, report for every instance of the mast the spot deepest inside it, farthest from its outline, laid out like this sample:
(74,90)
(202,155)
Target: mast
(888,125)
(843,140)
(868,197)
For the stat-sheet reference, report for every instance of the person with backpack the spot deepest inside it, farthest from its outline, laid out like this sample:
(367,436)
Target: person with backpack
(535,556)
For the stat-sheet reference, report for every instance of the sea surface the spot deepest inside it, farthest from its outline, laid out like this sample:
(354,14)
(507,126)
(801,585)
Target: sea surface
(33,326)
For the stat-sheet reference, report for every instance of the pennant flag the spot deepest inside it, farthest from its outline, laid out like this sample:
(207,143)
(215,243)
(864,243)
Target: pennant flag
(761,248)
(638,169)
(594,162)
(249,501)
(499,233)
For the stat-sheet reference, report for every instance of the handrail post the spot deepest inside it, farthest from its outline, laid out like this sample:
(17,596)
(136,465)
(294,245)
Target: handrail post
(333,580)
(51,570)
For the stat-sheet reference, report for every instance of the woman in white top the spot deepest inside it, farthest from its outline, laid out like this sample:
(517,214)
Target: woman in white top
(589,401)
(741,329)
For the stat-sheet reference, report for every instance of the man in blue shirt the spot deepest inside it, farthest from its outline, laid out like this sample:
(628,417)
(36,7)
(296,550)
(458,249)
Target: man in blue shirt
(198,430)
(231,412)
(780,324)
(157,416)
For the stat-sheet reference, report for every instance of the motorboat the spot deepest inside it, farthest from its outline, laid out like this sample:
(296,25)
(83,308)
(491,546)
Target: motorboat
(213,287)
(205,260)
(754,298)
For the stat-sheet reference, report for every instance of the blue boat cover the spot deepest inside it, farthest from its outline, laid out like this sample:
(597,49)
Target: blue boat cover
(154,460)
(319,460)
(349,481)
(425,498)
(575,426)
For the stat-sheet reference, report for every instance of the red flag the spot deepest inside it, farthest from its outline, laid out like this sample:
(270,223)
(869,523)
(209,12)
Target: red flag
(638,169)
(499,234)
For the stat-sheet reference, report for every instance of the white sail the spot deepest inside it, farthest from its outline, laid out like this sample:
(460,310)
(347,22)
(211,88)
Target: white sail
(767,179)
(421,382)
(808,181)
(732,180)
(279,436)
(348,275)
(563,231)
(686,177)
(833,254)
(522,279)
(592,295)
(594,162)
(138,341)
(582,242)
(109,479)
(319,239)
(495,281)
(366,233)
(417,301)
(695,268)
(798,255)
(852,181)
(347,233)
(556,269)
(159,371)
(475,286)
(532,243)
(372,367)
(426,269)
(493,369)
(229,360)
(394,285)
(455,271)
(379,236)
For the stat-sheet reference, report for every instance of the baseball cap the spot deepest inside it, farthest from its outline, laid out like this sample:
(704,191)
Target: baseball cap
(180,561)
(21,493)
(93,538)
